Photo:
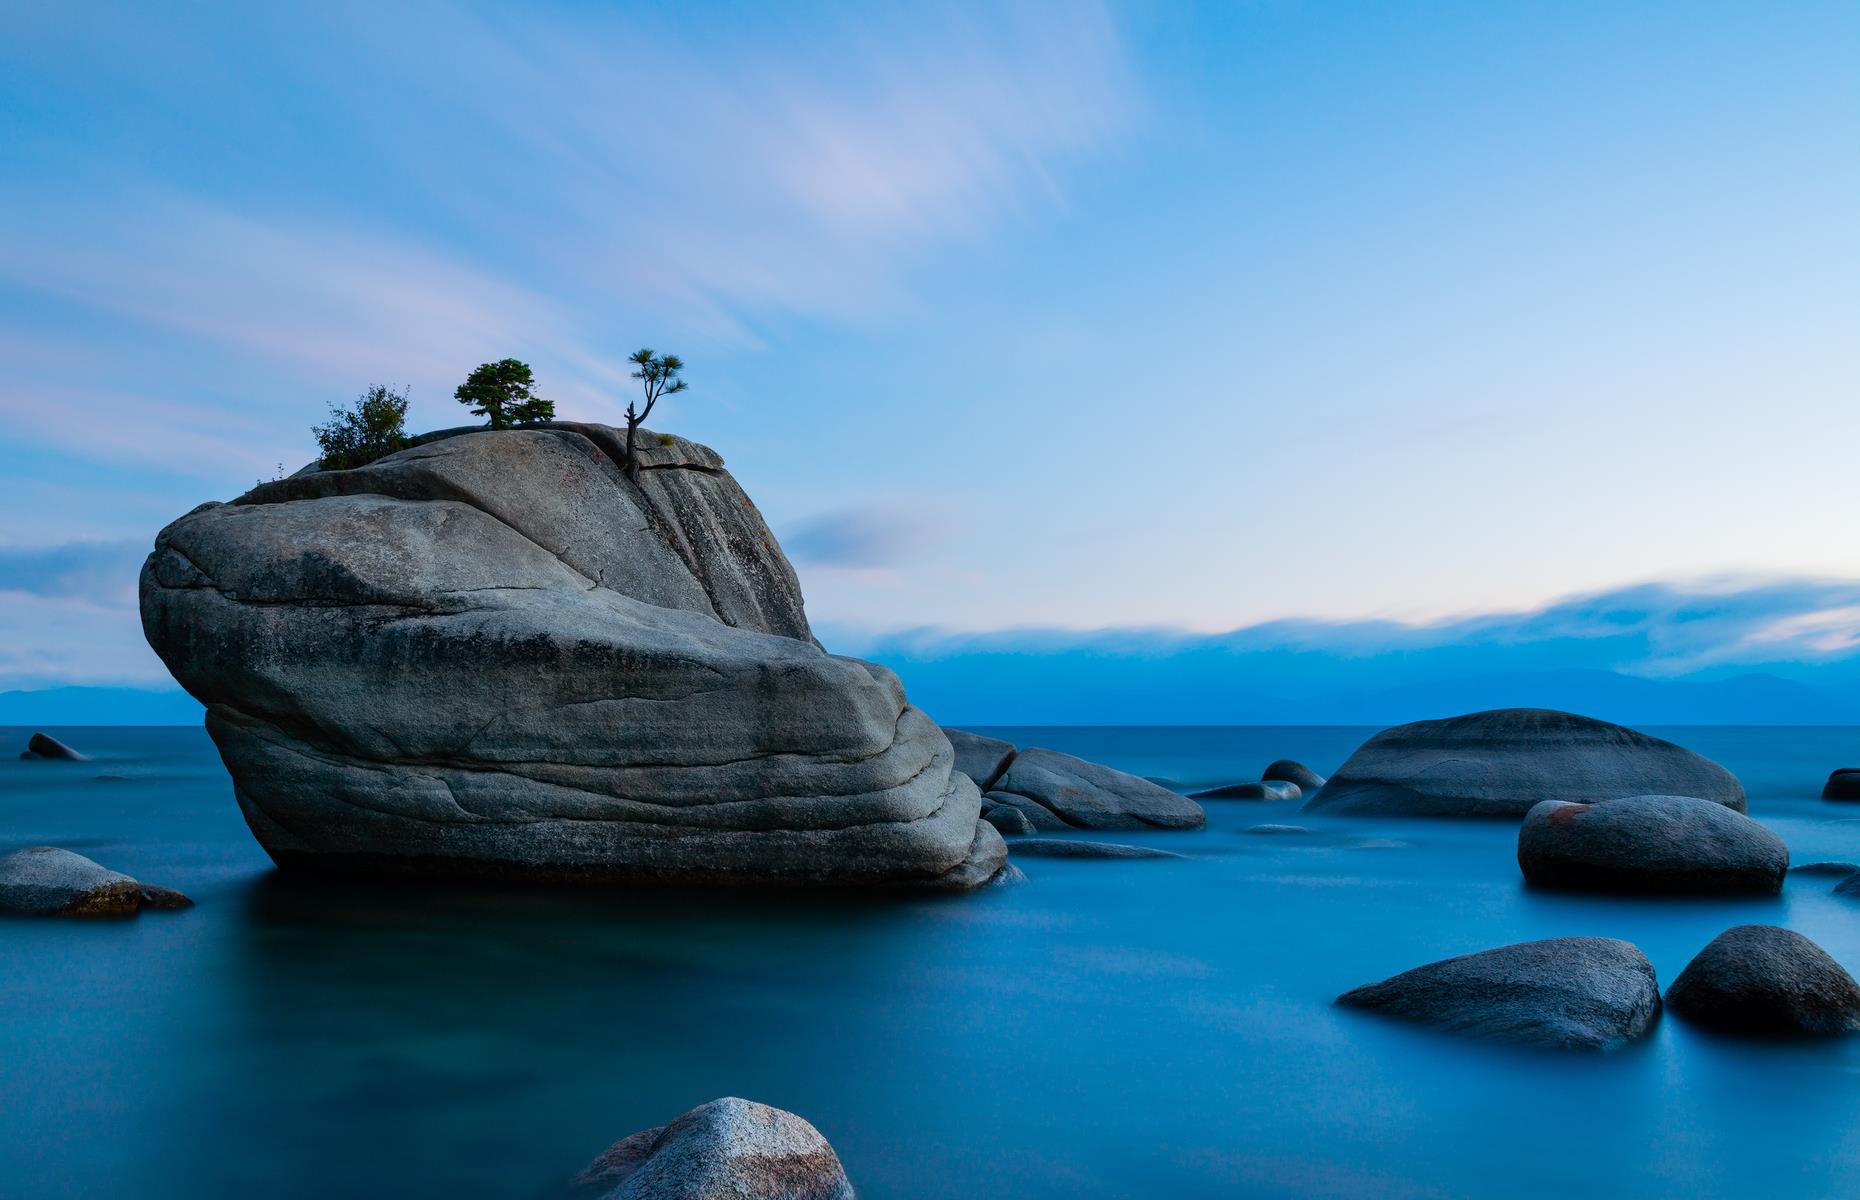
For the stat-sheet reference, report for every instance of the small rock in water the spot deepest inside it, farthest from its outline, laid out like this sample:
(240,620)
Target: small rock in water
(1038,815)
(1671,844)
(1271,829)
(729,1149)
(1576,993)
(1285,770)
(1767,980)
(1009,820)
(45,881)
(1843,784)
(1066,848)
(1837,870)
(44,745)
(1265,789)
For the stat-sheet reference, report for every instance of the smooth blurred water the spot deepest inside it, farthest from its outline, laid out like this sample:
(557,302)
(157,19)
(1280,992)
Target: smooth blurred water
(1110,1028)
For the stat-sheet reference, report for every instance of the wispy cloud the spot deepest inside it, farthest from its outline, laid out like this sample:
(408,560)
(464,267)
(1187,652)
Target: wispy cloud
(869,536)
(102,573)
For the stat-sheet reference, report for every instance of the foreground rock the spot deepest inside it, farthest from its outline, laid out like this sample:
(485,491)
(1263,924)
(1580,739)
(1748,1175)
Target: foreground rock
(495,655)
(729,1149)
(43,745)
(1085,795)
(1763,979)
(1843,784)
(1501,763)
(45,881)
(1067,848)
(1671,844)
(981,758)
(1263,790)
(1577,993)
(1284,770)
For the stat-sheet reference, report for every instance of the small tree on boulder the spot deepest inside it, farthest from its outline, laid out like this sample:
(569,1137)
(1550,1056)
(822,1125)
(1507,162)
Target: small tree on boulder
(504,394)
(658,376)
(354,437)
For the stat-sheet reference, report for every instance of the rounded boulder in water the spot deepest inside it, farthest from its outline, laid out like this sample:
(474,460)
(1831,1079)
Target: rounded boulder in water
(1265,789)
(1843,784)
(1285,770)
(1650,844)
(1500,763)
(1574,993)
(1763,979)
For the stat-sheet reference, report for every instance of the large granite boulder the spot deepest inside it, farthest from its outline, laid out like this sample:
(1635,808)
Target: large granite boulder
(1285,770)
(44,881)
(1673,844)
(729,1149)
(1501,763)
(980,757)
(494,654)
(1578,993)
(1763,979)
(1087,795)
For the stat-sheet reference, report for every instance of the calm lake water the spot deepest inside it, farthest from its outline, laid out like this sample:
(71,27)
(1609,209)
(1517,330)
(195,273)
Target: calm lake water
(1136,1028)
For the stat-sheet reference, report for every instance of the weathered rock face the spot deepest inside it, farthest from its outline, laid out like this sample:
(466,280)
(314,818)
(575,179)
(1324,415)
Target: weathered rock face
(45,881)
(1763,979)
(1285,770)
(1672,844)
(1500,763)
(980,757)
(1576,993)
(728,1149)
(1087,795)
(494,654)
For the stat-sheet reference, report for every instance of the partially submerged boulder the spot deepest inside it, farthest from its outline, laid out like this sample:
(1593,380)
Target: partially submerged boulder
(1277,830)
(1576,993)
(1763,979)
(1262,790)
(493,654)
(1501,763)
(44,745)
(1086,795)
(44,881)
(1672,844)
(980,757)
(1037,815)
(1843,784)
(729,1149)
(1828,870)
(1285,770)
(1007,820)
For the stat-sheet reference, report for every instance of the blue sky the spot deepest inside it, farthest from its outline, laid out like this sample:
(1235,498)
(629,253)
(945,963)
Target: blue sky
(1012,318)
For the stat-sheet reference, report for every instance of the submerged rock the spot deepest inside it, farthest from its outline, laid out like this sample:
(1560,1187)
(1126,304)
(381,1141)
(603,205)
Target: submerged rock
(1086,795)
(45,881)
(1037,815)
(1764,979)
(979,757)
(1068,848)
(729,1149)
(1270,830)
(495,655)
(1832,870)
(1577,993)
(1263,790)
(1843,784)
(1674,844)
(1284,770)
(1501,763)
(43,745)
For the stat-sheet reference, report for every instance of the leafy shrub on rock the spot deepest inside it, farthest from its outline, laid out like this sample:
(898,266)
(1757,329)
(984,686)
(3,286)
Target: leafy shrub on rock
(356,436)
